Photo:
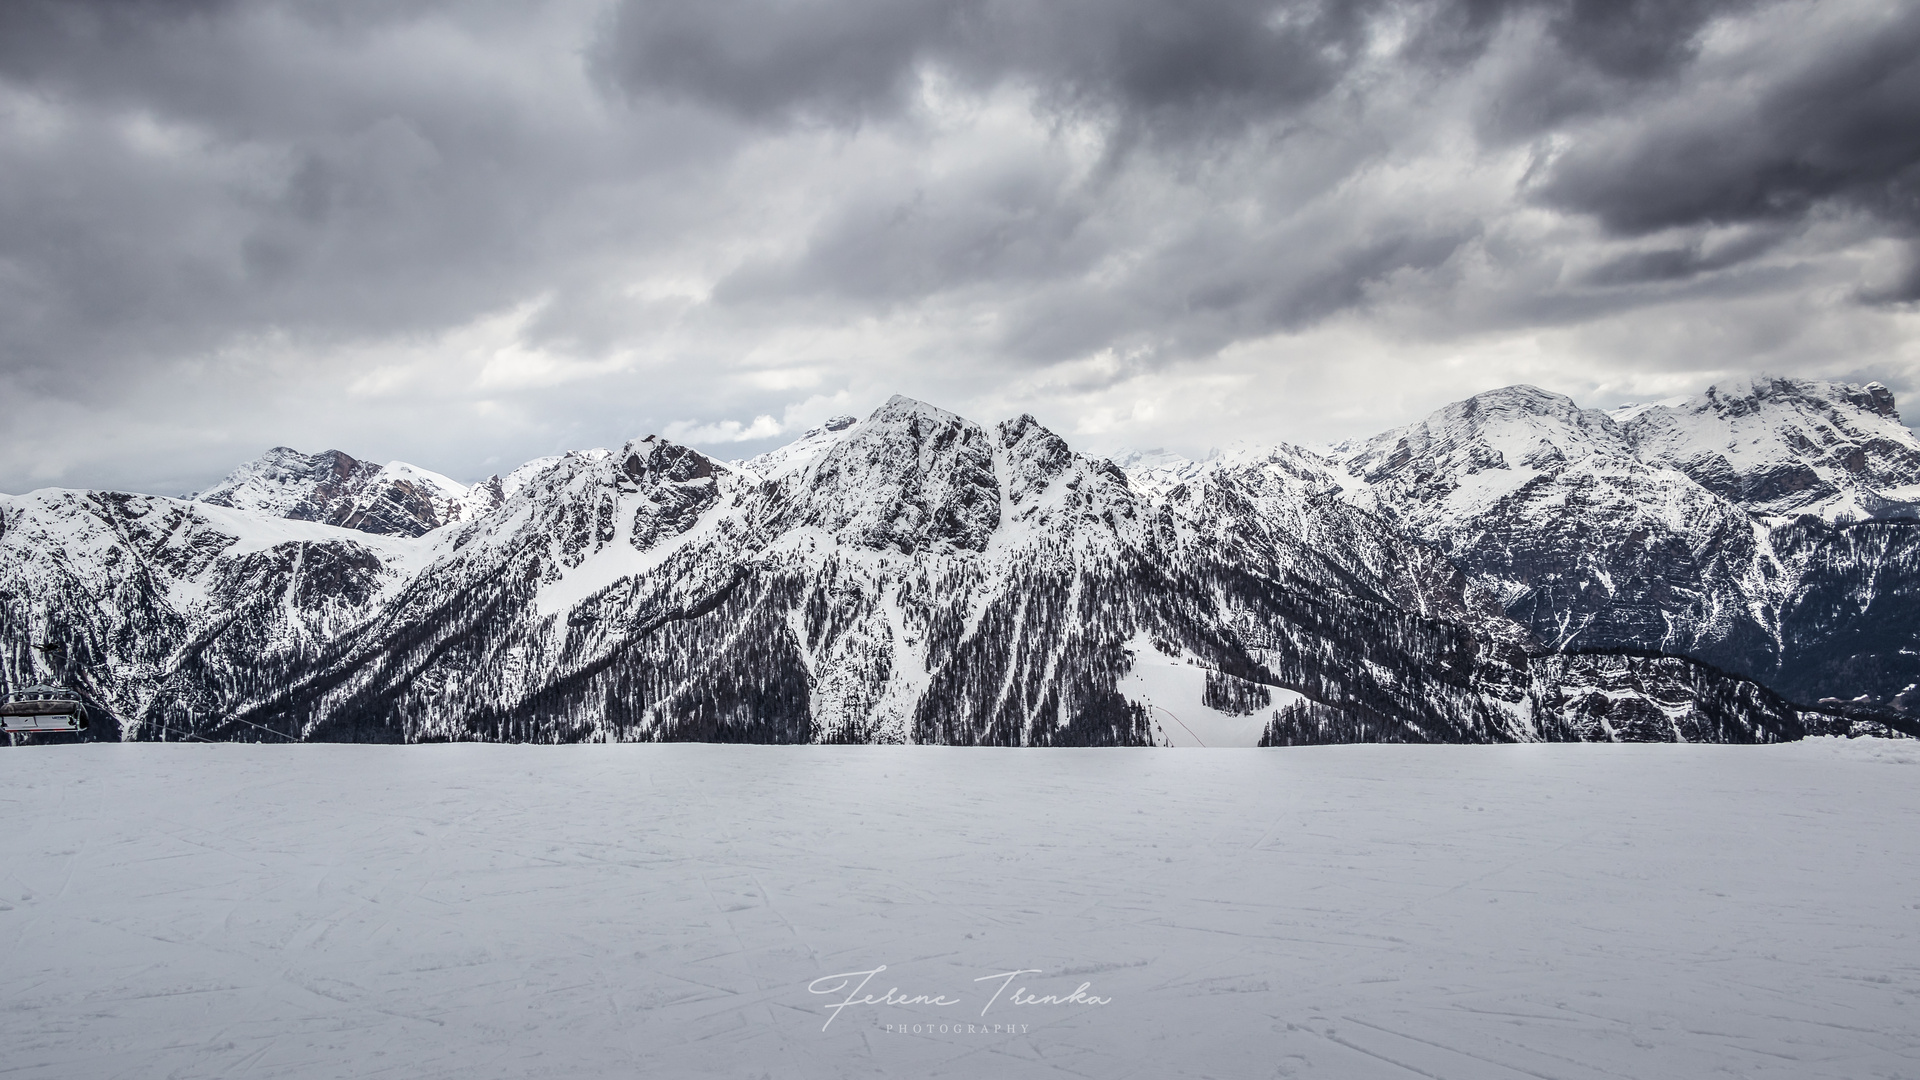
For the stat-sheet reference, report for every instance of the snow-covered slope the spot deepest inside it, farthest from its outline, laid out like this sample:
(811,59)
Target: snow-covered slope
(592,913)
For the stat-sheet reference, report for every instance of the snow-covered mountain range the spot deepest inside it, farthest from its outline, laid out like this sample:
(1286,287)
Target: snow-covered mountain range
(1740,566)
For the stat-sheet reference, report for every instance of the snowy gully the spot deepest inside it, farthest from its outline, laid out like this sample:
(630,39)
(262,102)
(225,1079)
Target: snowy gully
(846,983)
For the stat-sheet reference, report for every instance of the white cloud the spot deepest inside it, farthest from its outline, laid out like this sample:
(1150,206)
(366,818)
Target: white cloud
(726,431)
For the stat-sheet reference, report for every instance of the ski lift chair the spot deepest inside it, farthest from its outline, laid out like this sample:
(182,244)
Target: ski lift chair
(41,710)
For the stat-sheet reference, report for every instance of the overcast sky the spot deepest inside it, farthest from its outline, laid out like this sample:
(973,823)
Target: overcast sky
(469,233)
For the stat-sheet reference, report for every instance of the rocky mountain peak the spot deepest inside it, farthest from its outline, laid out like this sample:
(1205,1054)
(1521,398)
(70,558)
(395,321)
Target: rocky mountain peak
(654,459)
(901,405)
(483,498)
(1468,456)
(284,482)
(909,477)
(676,484)
(1877,399)
(1035,456)
(1752,396)
(333,488)
(1064,496)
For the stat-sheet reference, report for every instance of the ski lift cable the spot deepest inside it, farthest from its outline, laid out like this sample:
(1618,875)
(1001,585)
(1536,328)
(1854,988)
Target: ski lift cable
(161,724)
(166,727)
(268,730)
(100,699)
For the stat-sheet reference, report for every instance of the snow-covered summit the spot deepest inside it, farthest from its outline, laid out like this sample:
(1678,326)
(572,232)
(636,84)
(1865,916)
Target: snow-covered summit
(1781,447)
(795,455)
(1158,470)
(1513,425)
(1622,414)
(1465,458)
(336,489)
(283,482)
(1548,507)
(580,522)
(910,476)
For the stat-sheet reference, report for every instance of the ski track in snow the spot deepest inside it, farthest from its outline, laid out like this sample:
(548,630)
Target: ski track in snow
(1573,912)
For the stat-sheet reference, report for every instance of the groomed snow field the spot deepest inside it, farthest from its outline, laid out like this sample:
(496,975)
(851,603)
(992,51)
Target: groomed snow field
(1449,912)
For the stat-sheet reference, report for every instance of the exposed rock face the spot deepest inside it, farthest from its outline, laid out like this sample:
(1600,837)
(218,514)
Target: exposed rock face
(1626,698)
(1513,567)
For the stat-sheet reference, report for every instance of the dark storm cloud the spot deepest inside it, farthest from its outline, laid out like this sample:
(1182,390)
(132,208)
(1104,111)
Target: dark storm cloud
(1634,39)
(219,222)
(1599,56)
(211,169)
(313,199)
(1839,127)
(1211,292)
(1045,238)
(55,37)
(1686,261)
(1183,76)
(1200,61)
(1014,226)
(852,59)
